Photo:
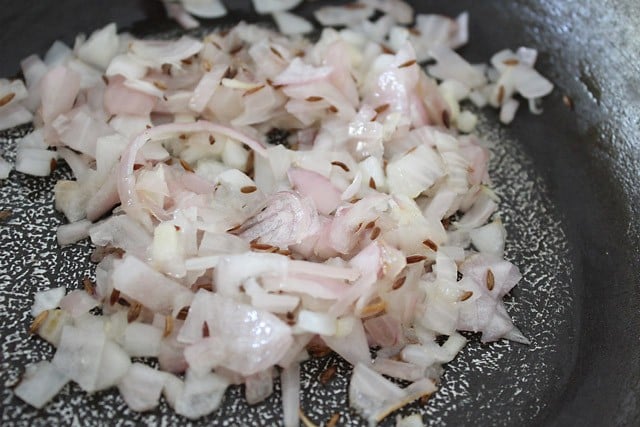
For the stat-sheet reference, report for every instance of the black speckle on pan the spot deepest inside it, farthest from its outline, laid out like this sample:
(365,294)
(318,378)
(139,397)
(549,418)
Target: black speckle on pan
(501,383)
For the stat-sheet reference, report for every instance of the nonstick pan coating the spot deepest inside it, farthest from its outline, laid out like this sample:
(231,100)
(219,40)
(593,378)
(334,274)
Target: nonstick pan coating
(570,186)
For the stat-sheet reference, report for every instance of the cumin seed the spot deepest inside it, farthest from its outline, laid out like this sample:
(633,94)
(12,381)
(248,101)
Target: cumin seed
(407,64)
(412,259)
(399,282)
(38,321)
(340,165)
(491,280)
(466,295)
(430,244)
(7,99)
(248,189)
(375,233)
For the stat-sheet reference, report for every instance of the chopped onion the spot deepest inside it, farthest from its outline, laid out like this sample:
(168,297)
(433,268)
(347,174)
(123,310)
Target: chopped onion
(40,383)
(73,232)
(205,8)
(141,387)
(291,395)
(288,23)
(47,300)
(264,193)
(270,6)
(201,395)
(343,15)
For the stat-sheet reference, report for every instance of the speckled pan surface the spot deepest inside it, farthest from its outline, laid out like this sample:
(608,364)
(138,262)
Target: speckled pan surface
(569,187)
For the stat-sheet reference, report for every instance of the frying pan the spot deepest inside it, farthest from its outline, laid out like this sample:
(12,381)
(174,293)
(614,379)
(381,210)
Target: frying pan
(569,180)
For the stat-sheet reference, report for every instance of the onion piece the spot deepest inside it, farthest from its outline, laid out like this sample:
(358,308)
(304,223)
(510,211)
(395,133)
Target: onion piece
(59,88)
(137,280)
(78,302)
(201,395)
(205,8)
(141,387)
(270,6)
(71,233)
(177,12)
(342,15)
(258,386)
(15,115)
(155,52)
(5,168)
(100,48)
(414,420)
(141,340)
(35,161)
(291,394)
(78,356)
(47,300)
(41,382)
(508,110)
(290,24)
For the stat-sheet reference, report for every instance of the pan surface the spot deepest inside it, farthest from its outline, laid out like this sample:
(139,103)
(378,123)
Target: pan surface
(569,186)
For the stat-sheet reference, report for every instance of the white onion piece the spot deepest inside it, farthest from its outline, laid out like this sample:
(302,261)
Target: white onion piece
(527,55)
(77,303)
(201,395)
(141,387)
(127,66)
(34,161)
(370,391)
(489,238)
(177,12)
(298,73)
(14,90)
(530,83)
(258,386)
(100,48)
(206,87)
(508,110)
(273,302)
(59,88)
(67,234)
(78,356)
(172,389)
(47,300)
(122,232)
(450,65)
(40,383)
(269,6)
(466,121)
(205,8)
(136,279)
(267,336)
(482,209)
(290,24)
(414,420)
(353,347)
(156,52)
(57,54)
(141,340)
(342,15)
(319,323)
(33,68)
(5,168)
(15,115)
(399,10)
(396,369)
(52,326)
(291,394)
(414,172)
